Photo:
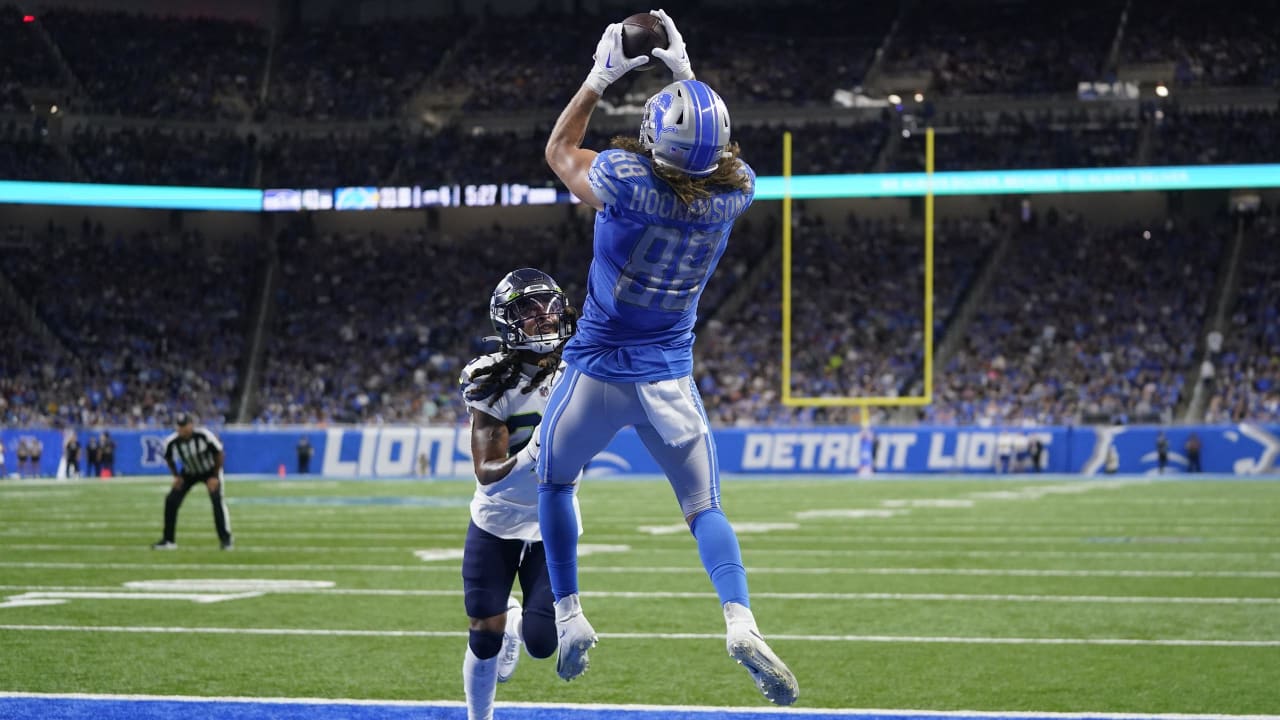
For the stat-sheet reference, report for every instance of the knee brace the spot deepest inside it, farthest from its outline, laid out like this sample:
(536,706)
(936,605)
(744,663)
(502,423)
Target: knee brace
(485,644)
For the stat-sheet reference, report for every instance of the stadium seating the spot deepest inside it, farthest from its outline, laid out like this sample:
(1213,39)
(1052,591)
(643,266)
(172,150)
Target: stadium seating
(1086,324)
(468,99)
(1246,380)
(146,325)
(147,66)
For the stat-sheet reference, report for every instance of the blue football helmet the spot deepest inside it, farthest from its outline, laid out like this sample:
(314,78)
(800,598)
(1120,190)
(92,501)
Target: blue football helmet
(528,312)
(686,125)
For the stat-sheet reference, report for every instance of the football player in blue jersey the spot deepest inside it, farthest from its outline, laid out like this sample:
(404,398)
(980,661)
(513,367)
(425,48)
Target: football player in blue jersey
(665,205)
(506,393)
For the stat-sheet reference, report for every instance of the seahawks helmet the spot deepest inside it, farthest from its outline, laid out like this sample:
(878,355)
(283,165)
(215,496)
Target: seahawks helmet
(686,125)
(523,297)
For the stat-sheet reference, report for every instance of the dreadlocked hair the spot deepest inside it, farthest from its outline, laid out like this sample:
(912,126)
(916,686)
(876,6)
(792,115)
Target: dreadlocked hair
(727,176)
(490,383)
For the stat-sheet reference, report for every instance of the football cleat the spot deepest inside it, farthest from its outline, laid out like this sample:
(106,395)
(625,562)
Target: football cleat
(510,653)
(576,637)
(772,677)
(164,545)
(227,545)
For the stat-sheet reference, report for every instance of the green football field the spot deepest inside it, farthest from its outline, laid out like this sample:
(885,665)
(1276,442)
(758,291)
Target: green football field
(1054,594)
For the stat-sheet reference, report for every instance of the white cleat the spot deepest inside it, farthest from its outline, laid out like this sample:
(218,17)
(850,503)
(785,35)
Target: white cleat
(576,637)
(510,653)
(745,644)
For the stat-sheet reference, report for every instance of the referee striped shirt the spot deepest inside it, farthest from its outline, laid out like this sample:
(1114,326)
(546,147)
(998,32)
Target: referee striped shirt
(197,454)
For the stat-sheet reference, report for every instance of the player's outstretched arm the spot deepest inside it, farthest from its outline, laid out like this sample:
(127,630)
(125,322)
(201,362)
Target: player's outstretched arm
(564,152)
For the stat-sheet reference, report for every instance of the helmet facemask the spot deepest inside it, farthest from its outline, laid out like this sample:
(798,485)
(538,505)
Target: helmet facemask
(535,322)
(527,310)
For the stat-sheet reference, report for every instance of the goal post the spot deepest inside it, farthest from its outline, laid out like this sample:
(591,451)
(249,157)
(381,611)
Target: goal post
(788,397)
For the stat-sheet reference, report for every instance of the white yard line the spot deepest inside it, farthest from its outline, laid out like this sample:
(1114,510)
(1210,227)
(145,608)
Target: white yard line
(211,586)
(952,541)
(750,552)
(1261,530)
(624,570)
(893,639)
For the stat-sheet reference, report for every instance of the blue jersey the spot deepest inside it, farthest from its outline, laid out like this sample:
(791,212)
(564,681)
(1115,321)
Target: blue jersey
(652,258)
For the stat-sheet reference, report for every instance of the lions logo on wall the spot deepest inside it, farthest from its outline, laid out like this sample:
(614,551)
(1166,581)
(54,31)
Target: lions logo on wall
(152,450)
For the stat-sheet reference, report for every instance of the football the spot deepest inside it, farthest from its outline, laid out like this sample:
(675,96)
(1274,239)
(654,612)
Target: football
(641,33)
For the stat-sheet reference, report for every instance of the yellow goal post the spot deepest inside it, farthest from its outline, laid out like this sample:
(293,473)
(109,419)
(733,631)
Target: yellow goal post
(791,400)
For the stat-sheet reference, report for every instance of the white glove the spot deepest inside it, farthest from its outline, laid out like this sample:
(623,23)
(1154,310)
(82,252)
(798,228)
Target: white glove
(675,55)
(611,63)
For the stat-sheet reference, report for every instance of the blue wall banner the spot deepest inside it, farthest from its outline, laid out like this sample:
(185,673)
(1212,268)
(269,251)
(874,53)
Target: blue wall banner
(445,451)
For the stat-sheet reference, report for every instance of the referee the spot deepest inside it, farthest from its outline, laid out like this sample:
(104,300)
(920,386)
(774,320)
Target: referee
(201,457)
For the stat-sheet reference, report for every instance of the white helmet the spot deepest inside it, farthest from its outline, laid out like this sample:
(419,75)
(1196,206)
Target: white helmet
(686,125)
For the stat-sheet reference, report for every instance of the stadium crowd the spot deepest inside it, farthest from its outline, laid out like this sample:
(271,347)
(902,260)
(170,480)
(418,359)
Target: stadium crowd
(375,329)
(969,52)
(1227,43)
(25,154)
(1246,369)
(1086,324)
(387,155)
(1082,323)
(159,67)
(372,328)
(856,322)
(153,154)
(979,141)
(203,71)
(24,61)
(145,326)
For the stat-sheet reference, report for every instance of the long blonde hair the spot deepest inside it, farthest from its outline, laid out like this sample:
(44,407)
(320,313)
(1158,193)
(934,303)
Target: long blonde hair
(687,187)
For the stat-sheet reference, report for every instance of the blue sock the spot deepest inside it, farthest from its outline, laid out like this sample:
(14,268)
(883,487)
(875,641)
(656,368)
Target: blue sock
(559,525)
(718,548)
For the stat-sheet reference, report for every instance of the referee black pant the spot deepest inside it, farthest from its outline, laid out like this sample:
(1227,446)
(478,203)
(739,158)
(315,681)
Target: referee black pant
(221,519)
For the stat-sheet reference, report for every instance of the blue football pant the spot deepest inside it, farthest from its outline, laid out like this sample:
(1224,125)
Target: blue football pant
(583,414)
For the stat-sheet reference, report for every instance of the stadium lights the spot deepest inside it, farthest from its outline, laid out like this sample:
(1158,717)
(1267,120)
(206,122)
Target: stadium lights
(1162,91)
(919,97)
(895,99)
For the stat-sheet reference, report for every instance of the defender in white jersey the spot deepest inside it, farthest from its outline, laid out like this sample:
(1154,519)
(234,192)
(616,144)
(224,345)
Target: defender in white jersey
(506,393)
(665,203)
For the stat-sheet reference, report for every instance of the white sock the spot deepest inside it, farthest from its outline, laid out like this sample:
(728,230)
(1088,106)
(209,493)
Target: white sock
(735,613)
(480,681)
